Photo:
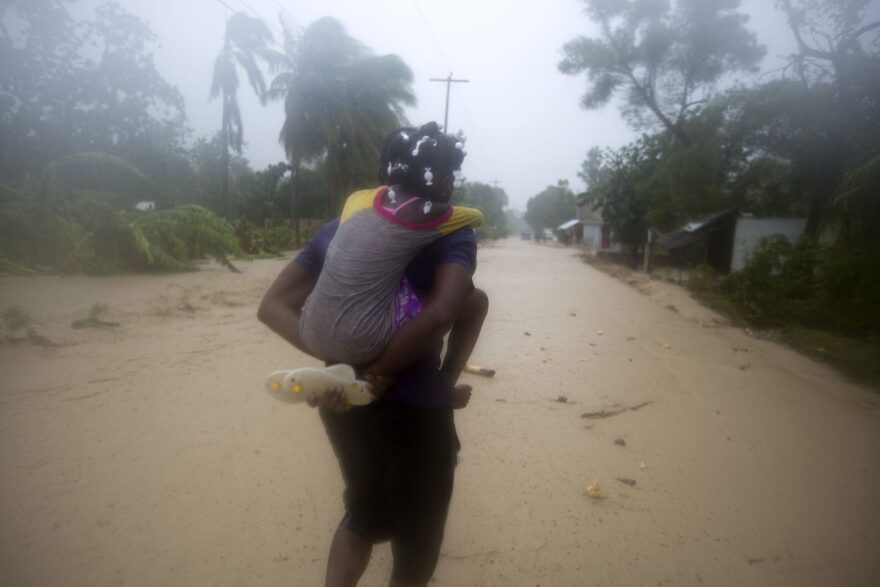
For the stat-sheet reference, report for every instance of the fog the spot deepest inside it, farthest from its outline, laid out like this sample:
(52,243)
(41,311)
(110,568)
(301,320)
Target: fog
(521,115)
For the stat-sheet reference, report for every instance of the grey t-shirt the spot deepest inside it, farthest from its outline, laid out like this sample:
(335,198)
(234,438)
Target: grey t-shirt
(349,316)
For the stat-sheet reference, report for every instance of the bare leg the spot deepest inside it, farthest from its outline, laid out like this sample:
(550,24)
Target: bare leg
(464,334)
(349,556)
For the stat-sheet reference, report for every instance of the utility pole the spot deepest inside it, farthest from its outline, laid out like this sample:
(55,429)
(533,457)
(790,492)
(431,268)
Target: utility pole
(448,81)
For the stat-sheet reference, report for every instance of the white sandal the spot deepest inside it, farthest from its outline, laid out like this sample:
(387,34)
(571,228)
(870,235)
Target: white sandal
(295,386)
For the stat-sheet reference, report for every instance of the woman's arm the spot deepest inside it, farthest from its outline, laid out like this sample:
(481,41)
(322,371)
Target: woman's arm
(464,335)
(281,307)
(416,338)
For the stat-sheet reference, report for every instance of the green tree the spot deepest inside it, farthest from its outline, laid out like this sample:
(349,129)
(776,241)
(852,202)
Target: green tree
(553,206)
(68,86)
(340,101)
(490,200)
(213,172)
(624,203)
(666,58)
(838,67)
(246,40)
(63,220)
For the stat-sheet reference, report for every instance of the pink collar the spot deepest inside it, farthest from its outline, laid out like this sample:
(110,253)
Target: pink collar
(390,213)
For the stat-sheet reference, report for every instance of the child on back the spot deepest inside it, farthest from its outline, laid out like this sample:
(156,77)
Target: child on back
(361,296)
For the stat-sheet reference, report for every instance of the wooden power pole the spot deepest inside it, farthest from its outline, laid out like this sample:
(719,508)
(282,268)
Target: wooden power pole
(448,81)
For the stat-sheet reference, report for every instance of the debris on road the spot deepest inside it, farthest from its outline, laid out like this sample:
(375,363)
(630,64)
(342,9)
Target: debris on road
(642,466)
(562,399)
(619,442)
(594,491)
(627,481)
(609,413)
(477,370)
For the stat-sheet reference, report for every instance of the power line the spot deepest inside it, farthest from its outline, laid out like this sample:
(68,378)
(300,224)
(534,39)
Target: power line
(249,10)
(259,15)
(431,33)
(477,133)
(289,15)
(449,65)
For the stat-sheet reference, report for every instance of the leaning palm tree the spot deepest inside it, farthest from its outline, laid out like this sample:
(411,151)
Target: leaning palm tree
(246,40)
(340,100)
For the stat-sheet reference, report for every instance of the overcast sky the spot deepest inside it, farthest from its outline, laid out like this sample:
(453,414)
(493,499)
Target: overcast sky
(524,125)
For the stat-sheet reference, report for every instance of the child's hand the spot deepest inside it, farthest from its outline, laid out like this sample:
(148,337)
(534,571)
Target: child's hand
(332,400)
(378,384)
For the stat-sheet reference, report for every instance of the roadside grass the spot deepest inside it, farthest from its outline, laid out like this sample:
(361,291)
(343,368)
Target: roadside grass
(858,358)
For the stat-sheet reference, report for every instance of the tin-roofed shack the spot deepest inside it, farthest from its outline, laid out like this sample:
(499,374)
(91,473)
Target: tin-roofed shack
(706,240)
(569,232)
(724,240)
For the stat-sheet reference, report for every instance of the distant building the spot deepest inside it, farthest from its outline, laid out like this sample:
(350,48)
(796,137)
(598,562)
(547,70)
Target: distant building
(145,206)
(750,230)
(724,240)
(595,234)
(569,232)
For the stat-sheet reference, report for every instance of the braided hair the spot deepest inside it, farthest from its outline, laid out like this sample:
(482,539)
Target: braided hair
(425,161)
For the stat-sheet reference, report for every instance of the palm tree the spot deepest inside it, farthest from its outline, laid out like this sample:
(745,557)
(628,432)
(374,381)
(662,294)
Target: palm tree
(340,100)
(247,39)
(855,210)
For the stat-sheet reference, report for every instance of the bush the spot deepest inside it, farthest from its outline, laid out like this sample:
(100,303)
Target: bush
(848,289)
(278,238)
(837,288)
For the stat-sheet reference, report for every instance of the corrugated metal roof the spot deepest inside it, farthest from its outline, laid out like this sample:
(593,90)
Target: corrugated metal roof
(567,225)
(693,231)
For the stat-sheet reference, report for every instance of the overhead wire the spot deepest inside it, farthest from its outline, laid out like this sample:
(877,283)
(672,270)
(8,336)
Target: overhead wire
(460,97)
(250,11)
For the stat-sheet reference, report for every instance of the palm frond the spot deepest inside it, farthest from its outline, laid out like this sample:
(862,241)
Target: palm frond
(188,232)
(855,209)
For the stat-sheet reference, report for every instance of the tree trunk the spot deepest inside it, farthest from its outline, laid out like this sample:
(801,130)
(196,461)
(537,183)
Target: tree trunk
(225,157)
(294,200)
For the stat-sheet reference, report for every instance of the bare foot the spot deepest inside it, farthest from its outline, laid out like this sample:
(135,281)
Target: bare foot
(461,395)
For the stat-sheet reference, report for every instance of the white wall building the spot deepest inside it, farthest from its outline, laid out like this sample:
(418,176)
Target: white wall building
(749,232)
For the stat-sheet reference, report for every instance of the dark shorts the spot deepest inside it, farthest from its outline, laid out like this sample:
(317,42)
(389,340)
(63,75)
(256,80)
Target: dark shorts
(398,463)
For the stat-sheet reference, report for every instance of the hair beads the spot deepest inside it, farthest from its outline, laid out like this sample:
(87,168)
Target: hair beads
(427,207)
(422,161)
(419,144)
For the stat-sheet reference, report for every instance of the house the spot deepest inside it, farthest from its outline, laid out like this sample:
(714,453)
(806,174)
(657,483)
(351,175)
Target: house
(750,231)
(724,240)
(595,235)
(569,232)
